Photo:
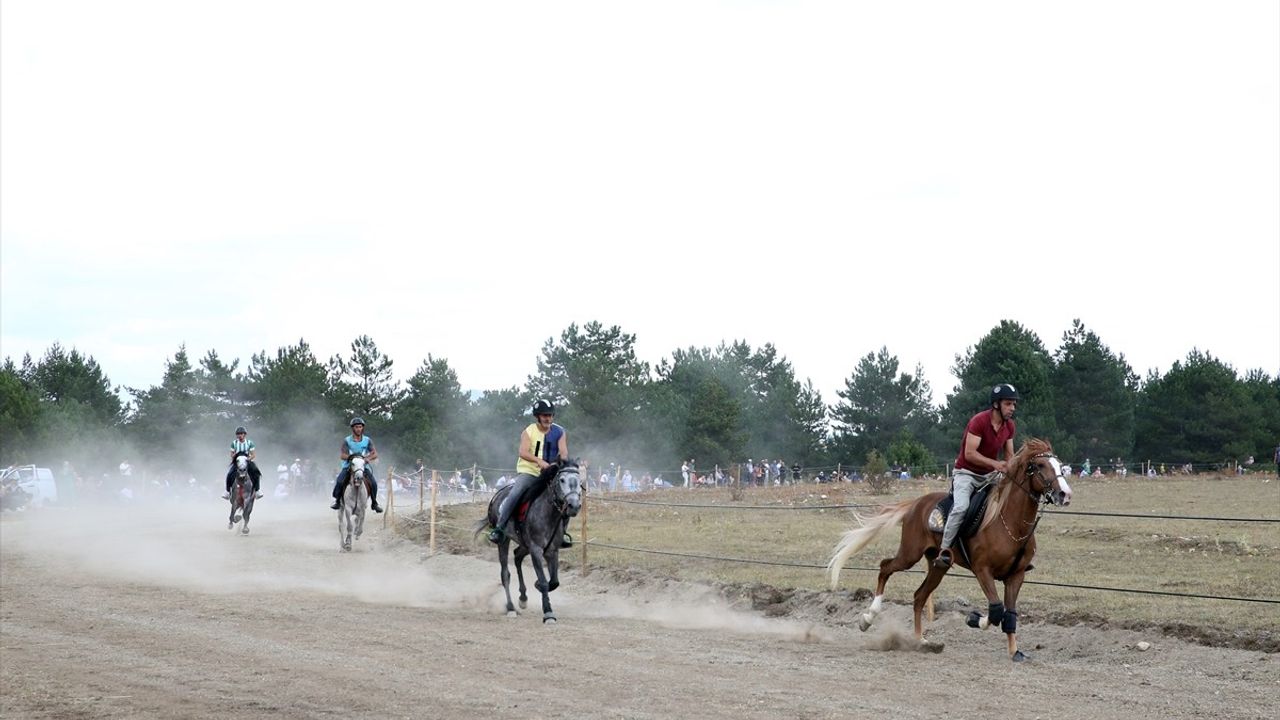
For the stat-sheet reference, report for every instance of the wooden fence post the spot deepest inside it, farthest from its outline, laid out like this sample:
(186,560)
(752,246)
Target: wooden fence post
(435,480)
(422,490)
(586,470)
(390,482)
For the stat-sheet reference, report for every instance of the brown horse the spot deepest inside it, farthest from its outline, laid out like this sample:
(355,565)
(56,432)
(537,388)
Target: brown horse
(1001,549)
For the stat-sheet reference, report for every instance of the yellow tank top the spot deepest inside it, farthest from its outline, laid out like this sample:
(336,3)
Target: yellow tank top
(536,438)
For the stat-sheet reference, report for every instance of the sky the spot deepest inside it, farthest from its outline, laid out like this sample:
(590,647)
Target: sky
(466,180)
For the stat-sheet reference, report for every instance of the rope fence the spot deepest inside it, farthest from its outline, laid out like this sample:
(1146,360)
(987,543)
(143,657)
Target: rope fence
(434,484)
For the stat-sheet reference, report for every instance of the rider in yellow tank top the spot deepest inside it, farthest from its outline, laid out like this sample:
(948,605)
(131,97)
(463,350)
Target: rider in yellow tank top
(541,444)
(538,447)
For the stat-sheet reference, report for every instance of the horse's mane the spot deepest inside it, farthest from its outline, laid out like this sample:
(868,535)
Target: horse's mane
(1017,468)
(549,472)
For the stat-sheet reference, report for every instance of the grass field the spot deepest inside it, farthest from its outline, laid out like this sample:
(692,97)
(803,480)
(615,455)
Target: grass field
(1196,557)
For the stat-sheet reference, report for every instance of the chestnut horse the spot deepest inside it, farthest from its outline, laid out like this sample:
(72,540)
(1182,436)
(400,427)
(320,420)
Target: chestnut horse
(1001,549)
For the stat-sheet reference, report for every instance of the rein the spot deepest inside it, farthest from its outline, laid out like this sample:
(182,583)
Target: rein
(561,505)
(1040,498)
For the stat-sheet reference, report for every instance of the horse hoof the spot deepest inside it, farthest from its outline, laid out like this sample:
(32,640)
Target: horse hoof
(523,603)
(931,646)
(548,619)
(244,531)
(512,613)
(230,525)
(1020,656)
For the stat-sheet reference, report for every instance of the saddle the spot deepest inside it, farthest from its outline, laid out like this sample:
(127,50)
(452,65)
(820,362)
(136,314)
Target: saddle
(972,517)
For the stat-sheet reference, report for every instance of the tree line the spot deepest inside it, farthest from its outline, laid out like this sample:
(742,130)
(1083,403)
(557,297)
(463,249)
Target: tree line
(716,405)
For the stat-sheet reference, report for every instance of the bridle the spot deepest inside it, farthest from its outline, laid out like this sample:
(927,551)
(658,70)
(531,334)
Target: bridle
(1040,497)
(558,501)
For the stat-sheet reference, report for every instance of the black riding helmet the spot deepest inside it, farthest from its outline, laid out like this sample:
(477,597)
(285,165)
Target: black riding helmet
(1003,391)
(357,420)
(241,430)
(543,407)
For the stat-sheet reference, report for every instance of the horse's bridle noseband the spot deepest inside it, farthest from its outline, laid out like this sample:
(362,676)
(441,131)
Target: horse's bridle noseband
(1041,496)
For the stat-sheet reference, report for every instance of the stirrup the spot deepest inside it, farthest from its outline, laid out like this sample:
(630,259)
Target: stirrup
(566,541)
(943,560)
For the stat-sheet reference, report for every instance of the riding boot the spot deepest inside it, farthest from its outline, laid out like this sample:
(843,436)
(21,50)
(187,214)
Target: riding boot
(226,495)
(496,535)
(374,504)
(335,504)
(943,560)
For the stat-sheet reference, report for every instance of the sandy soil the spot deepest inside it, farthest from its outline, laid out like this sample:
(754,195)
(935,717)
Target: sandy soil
(164,613)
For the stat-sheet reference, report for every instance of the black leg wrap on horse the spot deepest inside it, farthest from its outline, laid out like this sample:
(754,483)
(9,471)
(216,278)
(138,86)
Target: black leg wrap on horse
(1010,624)
(995,613)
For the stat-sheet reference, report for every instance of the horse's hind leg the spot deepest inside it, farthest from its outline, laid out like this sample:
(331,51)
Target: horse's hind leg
(524,591)
(905,558)
(505,573)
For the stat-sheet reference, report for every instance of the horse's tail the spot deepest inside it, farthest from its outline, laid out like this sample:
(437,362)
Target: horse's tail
(858,538)
(479,527)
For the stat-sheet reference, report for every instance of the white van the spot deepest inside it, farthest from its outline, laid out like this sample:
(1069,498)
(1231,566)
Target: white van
(37,482)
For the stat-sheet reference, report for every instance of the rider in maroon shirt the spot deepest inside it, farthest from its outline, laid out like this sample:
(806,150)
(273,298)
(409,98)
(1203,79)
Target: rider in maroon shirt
(988,434)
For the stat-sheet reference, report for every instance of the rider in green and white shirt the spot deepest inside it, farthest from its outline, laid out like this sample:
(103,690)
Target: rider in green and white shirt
(242,444)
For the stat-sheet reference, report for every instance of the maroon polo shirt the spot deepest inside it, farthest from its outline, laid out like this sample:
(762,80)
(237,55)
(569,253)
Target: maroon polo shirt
(990,444)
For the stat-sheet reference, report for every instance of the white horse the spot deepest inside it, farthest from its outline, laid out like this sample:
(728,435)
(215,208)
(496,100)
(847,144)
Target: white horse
(242,495)
(355,498)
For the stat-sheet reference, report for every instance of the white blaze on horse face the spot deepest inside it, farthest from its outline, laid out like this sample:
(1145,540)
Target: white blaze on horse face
(1064,489)
(571,491)
(357,466)
(242,463)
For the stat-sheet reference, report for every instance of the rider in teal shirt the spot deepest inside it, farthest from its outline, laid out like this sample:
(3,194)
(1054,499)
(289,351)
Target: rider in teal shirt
(357,443)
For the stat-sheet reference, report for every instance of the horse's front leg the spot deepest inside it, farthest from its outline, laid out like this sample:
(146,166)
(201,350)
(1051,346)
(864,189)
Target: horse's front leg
(231,519)
(995,608)
(248,508)
(536,557)
(1010,622)
(931,581)
(553,566)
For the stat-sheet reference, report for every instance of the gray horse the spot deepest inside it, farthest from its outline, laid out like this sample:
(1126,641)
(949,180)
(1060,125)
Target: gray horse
(557,498)
(241,495)
(355,498)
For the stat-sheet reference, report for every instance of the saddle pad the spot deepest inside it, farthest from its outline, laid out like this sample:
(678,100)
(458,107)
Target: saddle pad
(524,510)
(972,517)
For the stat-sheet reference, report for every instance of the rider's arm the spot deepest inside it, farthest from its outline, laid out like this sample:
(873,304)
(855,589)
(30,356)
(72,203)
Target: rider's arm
(563,446)
(526,451)
(253,453)
(972,455)
(342,451)
(373,452)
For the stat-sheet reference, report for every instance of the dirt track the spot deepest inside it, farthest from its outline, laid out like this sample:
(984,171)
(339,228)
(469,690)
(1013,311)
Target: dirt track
(130,613)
